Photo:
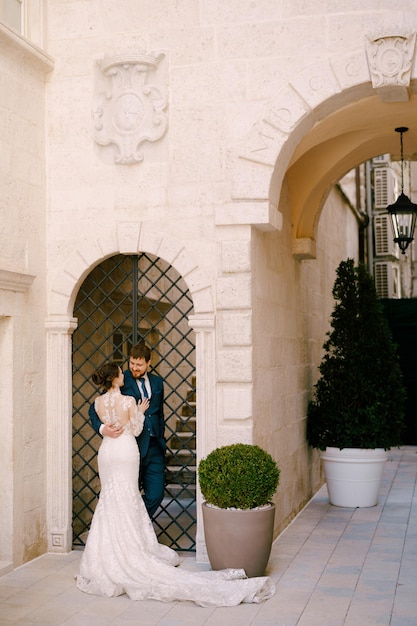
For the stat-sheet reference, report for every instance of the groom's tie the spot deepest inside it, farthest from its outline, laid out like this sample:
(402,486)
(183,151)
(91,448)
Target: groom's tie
(143,386)
(145,395)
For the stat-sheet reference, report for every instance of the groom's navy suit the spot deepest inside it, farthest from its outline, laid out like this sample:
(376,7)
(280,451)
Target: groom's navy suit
(154,416)
(151,441)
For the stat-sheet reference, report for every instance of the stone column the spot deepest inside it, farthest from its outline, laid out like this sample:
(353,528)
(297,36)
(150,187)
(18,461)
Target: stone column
(206,422)
(59,433)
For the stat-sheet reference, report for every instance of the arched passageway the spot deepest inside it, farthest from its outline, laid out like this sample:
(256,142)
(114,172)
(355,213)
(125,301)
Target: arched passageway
(337,144)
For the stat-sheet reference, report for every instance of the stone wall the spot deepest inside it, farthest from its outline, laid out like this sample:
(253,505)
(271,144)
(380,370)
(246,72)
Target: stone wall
(23,70)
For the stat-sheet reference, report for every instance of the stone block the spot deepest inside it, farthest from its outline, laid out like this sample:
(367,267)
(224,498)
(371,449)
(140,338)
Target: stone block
(209,84)
(235,328)
(187,45)
(352,70)
(128,237)
(236,403)
(234,292)
(234,365)
(203,300)
(235,256)
(197,279)
(316,84)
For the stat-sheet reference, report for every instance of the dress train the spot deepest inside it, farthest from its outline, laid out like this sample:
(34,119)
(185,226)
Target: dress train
(122,554)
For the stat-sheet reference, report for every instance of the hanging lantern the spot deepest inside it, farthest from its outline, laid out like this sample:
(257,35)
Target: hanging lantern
(403,212)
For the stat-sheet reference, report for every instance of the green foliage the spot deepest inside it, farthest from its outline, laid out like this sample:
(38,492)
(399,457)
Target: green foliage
(240,476)
(359,397)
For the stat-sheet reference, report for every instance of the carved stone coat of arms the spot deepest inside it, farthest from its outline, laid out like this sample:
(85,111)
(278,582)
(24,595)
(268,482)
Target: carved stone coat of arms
(131,111)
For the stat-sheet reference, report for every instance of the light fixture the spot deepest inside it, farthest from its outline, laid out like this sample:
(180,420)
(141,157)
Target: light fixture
(403,212)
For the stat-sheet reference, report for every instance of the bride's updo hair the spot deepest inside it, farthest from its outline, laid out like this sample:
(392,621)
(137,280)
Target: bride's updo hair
(105,375)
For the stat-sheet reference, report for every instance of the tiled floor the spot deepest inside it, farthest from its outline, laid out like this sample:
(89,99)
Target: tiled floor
(332,566)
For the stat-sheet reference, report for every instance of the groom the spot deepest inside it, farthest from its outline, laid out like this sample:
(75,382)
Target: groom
(152,445)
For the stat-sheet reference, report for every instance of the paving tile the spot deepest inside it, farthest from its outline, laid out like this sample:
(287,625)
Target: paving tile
(332,567)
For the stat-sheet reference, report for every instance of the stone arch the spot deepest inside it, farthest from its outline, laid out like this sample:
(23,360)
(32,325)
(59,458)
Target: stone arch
(281,142)
(131,238)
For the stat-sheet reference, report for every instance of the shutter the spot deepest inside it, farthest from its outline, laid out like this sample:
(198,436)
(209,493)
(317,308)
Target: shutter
(384,238)
(382,187)
(387,280)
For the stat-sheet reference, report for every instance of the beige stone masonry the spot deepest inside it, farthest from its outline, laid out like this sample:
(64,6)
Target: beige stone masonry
(263,215)
(12,41)
(235,328)
(13,504)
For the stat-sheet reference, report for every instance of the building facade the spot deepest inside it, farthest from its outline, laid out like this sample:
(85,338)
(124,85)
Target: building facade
(209,135)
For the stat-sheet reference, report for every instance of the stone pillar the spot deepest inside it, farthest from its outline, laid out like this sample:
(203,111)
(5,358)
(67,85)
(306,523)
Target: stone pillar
(13,304)
(59,433)
(206,422)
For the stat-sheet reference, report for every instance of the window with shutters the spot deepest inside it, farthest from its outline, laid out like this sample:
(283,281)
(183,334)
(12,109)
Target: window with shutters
(383,188)
(381,235)
(387,280)
(384,242)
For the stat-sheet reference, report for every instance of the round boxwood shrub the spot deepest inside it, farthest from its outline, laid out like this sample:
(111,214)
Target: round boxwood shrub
(240,476)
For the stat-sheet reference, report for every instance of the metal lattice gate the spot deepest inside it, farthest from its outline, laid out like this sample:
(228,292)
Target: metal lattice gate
(123,300)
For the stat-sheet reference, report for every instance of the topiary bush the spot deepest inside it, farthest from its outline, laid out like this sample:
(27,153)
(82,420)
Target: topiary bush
(240,476)
(360,397)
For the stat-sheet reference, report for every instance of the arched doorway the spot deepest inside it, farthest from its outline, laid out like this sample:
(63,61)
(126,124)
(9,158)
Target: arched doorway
(123,300)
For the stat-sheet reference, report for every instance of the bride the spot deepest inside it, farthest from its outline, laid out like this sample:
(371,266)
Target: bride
(122,553)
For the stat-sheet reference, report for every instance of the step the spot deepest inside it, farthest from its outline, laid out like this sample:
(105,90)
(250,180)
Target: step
(177,474)
(188,424)
(175,468)
(191,396)
(188,409)
(182,458)
(182,439)
(181,493)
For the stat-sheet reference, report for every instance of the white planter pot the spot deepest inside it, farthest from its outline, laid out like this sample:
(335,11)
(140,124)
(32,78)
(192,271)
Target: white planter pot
(353,475)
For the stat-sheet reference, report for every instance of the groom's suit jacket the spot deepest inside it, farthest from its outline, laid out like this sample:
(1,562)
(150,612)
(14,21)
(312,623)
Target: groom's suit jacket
(154,416)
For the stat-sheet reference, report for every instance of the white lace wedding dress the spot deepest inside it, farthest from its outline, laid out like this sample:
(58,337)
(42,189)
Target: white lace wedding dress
(122,553)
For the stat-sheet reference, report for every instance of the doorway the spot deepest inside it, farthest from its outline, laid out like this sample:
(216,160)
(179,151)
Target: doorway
(126,299)
(401,315)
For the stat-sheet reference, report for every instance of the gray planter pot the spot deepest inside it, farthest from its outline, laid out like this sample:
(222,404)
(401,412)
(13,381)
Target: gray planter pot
(239,539)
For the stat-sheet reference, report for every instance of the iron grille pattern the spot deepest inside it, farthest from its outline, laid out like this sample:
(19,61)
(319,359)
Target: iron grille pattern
(123,300)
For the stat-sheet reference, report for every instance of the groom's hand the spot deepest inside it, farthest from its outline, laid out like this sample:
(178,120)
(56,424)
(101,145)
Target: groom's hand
(112,430)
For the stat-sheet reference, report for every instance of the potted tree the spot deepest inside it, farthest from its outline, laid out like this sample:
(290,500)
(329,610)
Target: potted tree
(357,413)
(237,483)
